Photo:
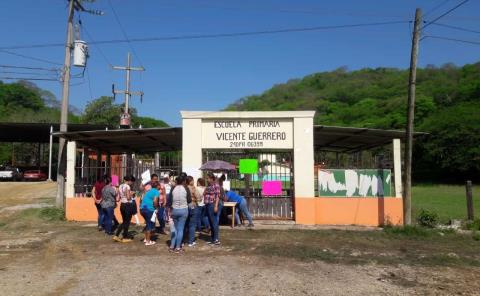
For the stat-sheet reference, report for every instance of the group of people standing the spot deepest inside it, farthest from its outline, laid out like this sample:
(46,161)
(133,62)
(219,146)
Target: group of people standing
(186,207)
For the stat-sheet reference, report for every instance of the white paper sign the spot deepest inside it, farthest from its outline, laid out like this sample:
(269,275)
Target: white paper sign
(145,177)
(226,185)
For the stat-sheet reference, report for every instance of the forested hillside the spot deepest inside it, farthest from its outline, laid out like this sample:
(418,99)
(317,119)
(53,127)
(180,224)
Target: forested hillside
(447,107)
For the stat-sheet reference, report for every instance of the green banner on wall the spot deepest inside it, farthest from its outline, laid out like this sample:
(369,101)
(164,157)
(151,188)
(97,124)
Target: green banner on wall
(355,183)
(248,166)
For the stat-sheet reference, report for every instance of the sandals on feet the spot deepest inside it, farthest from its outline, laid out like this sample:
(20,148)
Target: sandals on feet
(150,243)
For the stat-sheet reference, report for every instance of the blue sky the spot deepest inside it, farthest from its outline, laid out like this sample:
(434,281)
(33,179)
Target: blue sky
(209,74)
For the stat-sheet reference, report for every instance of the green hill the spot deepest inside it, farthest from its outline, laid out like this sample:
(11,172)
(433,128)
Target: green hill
(447,106)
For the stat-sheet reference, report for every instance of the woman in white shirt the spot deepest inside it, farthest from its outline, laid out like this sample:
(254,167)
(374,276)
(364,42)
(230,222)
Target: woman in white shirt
(202,219)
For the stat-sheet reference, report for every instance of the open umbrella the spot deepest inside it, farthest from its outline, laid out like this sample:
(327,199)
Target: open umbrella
(217,165)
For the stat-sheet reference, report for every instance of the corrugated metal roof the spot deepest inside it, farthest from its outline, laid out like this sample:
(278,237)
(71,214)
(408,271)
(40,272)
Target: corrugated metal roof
(137,140)
(37,132)
(329,138)
(351,139)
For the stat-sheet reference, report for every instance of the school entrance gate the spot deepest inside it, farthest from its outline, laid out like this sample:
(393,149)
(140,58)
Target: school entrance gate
(273,166)
(281,143)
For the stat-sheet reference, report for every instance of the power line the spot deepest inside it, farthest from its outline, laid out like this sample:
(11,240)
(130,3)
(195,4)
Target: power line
(89,85)
(444,14)
(435,8)
(453,39)
(29,68)
(29,57)
(457,28)
(92,41)
(124,33)
(28,78)
(219,35)
(23,73)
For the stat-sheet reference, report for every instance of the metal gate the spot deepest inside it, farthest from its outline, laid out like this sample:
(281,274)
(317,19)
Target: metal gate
(273,166)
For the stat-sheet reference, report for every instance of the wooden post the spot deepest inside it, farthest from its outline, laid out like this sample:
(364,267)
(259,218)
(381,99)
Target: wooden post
(470,215)
(407,188)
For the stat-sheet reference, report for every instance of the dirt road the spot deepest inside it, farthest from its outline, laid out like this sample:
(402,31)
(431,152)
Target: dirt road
(41,257)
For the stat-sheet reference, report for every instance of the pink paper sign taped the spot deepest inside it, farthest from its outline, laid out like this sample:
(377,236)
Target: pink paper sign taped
(272,188)
(115,180)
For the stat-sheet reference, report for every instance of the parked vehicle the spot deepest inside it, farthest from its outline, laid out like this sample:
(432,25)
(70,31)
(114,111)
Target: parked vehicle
(34,175)
(10,174)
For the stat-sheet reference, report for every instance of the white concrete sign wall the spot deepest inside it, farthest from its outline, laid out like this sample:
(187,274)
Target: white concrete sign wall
(262,130)
(253,133)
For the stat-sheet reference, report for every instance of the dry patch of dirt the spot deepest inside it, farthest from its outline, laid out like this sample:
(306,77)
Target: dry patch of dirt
(21,193)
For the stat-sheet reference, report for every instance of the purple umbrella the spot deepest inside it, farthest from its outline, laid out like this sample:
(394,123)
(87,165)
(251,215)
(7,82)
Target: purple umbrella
(217,165)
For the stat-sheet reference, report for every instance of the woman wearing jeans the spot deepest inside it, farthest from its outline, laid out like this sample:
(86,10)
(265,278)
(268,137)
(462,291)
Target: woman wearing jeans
(192,211)
(179,199)
(97,195)
(202,218)
(147,209)
(211,198)
(109,201)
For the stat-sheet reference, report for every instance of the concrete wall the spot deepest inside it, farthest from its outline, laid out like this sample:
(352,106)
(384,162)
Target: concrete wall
(83,209)
(191,146)
(368,211)
(303,159)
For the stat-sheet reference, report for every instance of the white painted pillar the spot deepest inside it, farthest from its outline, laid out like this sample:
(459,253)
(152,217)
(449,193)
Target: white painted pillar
(50,147)
(83,161)
(71,160)
(192,146)
(397,167)
(303,157)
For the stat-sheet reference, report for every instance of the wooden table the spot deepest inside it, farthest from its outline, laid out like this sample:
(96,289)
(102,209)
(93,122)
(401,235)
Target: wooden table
(231,204)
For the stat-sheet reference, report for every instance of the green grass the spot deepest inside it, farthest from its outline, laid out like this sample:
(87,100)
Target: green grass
(448,201)
(407,231)
(23,219)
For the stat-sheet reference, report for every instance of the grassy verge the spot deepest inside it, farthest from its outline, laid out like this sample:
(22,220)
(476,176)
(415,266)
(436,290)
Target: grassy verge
(393,246)
(29,217)
(448,201)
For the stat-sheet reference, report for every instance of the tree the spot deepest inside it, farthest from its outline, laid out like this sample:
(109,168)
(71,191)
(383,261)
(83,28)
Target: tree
(15,95)
(452,146)
(104,111)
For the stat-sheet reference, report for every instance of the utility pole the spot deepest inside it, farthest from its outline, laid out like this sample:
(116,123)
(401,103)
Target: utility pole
(407,192)
(62,159)
(60,200)
(125,117)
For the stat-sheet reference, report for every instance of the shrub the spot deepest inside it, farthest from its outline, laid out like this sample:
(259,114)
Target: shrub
(427,218)
(407,230)
(476,236)
(473,225)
